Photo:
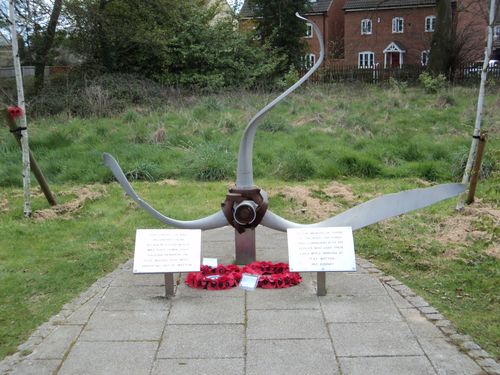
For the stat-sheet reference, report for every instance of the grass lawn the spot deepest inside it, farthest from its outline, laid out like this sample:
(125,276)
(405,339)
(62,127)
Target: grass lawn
(355,143)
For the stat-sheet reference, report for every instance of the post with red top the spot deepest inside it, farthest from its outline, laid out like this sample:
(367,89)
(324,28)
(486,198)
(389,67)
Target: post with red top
(11,114)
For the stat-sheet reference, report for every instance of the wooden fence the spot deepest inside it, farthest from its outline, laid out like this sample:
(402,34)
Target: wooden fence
(469,72)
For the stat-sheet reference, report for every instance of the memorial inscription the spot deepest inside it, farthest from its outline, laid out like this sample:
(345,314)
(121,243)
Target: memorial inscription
(167,250)
(321,249)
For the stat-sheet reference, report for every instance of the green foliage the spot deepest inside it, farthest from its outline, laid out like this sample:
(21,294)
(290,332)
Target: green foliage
(398,85)
(278,27)
(296,166)
(176,43)
(459,160)
(212,162)
(359,166)
(432,84)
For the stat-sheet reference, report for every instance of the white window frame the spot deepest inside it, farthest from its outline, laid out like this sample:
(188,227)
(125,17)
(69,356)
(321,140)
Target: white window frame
(424,57)
(430,24)
(309,60)
(366,26)
(398,25)
(309,31)
(496,31)
(366,59)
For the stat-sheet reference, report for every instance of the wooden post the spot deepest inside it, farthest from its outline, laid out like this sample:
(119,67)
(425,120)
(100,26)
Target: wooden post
(33,164)
(477,168)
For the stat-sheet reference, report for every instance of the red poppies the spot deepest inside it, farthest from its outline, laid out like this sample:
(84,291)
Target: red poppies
(224,277)
(14,112)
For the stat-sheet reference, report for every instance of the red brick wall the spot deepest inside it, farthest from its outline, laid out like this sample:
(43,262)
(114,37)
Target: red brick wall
(414,39)
(472,21)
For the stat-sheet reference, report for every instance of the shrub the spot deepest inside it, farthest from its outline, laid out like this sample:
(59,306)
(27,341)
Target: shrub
(432,84)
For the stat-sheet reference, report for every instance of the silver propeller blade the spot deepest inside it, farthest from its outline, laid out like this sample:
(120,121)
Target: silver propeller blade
(216,220)
(376,209)
(244,172)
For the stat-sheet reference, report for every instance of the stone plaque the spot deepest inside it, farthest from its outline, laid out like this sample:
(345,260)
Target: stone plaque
(321,249)
(167,250)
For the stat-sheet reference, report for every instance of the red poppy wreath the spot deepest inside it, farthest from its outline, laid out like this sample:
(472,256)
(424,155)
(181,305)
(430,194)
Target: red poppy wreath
(225,277)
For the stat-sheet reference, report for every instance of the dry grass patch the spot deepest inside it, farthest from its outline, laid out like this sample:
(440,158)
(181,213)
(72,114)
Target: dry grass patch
(68,209)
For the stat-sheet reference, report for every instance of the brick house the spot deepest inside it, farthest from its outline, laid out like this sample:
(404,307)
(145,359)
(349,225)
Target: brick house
(328,15)
(389,33)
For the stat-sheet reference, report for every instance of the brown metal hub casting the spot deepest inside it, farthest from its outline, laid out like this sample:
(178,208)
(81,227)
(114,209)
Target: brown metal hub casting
(245,208)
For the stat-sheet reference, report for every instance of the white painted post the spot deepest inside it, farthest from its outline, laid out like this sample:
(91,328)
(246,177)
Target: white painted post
(21,104)
(480,105)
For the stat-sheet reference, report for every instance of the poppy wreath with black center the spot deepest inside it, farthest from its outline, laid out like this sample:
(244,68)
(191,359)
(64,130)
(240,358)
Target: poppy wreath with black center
(219,278)
(273,275)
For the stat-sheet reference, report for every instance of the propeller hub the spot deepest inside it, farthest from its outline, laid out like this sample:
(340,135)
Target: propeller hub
(245,208)
(244,213)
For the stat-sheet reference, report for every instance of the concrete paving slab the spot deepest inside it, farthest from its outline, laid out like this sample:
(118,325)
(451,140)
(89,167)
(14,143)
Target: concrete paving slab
(419,325)
(447,359)
(106,358)
(190,366)
(134,298)
(128,278)
(203,341)
(354,284)
(37,367)
(302,296)
(386,366)
(373,339)
(285,324)
(398,300)
(291,357)
(194,310)
(124,325)
(57,343)
(359,309)
(185,291)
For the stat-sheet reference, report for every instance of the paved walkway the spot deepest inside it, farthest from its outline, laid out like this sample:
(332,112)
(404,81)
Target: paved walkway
(368,324)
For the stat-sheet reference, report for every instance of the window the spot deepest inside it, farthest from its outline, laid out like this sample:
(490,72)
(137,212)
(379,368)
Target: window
(309,60)
(366,59)
(430,23)
(496,32)
(425,57)
(366,26)
(309,30)
(397,25)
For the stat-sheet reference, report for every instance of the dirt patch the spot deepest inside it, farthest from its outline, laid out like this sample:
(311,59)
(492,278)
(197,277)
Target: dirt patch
(4,205)
(493,251)
(317,120)
(315,203)
(462,226)
(66,210)
(168,181)
(337,190)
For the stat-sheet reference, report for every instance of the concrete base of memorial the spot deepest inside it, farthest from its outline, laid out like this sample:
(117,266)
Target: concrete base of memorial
(368,323)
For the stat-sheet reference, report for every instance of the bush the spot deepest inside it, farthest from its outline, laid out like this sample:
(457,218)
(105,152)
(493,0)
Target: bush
(432,84)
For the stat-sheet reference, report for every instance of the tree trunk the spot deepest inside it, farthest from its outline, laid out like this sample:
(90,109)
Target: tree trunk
(480,103)
(106,58)
(439,61)
(46,44)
